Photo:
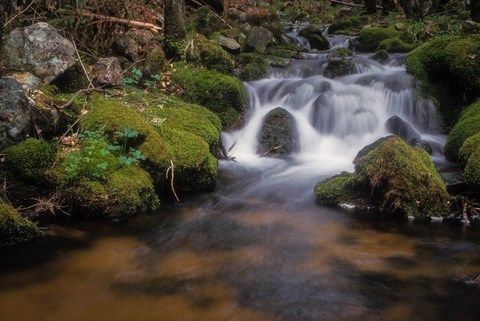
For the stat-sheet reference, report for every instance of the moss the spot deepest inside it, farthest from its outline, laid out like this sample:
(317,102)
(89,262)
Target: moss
(30,159)
(252,66)
(459,134)
(471,111)
(350,24)
(113,116)
(340,53)
(472,170)
(202,52)
(335,190)
(14,229)
(154,62)
(192,120)
(195,168)
(448,68)
(468,148)
(211,89)
(206,22)
(400,179)
(371,37)
(395,45)
(381,56)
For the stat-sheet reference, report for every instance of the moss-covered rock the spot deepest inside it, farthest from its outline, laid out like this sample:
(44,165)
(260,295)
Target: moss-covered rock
(381,56)
(448,68)
(472,170)
(202,52)
(278,134)
(224,95)
(339,63)
(206,22)
(470,145)
(395,45)
(252,66)
(459,134)
(30,159)
(335,190)
(14,229)
(395,179)
(348,26)
(370,37)
(315,37)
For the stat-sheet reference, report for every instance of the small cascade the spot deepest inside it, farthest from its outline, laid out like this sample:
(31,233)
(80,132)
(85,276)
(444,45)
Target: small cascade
(335,118)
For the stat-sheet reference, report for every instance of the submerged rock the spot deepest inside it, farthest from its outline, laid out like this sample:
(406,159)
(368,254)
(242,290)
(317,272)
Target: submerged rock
(38,49)
(15,112)
(278,135)
(399,127)
(394,179)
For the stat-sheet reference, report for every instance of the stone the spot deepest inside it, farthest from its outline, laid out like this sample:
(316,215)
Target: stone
(400,127)
(339,63)
(230,45)
(135,43)
(40,50)
(315,38)
(278,135)
(28,80)
(108,72)
(258,40)
(15,112)
(420,143)
(236,15)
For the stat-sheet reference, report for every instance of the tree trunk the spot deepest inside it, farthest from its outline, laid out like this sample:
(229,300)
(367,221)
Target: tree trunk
(387,6)
(475,10)
(371,6)
(174,20)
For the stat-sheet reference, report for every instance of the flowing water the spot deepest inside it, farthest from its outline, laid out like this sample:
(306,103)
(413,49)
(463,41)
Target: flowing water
(258,248)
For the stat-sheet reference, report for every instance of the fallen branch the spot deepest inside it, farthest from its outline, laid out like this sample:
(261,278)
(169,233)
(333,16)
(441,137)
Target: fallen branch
(133,23)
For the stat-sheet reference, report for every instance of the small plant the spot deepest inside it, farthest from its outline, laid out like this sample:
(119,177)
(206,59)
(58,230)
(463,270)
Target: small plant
(134,79)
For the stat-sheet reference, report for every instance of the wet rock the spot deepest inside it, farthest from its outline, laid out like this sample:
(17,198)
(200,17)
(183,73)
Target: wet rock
(278,135)
(258,39)
(339,63)
(108,72)
(381,56)
(420,143)
(230,45)
(315,38)
(399,127)
(15,112)
(40,50)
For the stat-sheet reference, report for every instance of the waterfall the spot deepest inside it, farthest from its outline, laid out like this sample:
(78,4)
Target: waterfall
(335,118)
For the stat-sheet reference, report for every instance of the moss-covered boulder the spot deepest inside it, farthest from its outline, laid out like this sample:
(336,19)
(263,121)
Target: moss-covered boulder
(395,45)
(14,229)
(30,159)
(459,134)
(252,66)
(469,147)
(335,190)
(222,94)
(202,52)
(278,134)
(395,179)
(370,38)
(339,63)
(348,26)
(472,170)
(448,68)
(315,37)
(381,56)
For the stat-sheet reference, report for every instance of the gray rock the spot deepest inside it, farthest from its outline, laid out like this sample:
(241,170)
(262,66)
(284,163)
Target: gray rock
(420,143)
(108,72)
(399,127)
(278,135)
(15,112)
(258,39)
(28,80)
(135,43)
(40,50)
(229,44)
(339,63)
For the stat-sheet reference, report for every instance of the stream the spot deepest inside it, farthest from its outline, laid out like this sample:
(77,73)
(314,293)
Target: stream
(259,248)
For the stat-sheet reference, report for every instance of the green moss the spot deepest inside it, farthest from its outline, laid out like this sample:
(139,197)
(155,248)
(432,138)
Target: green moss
(381,56)
(154,62)
(459,134)
(350,24)
(30,159)
(471,111)
(448,68)
(334,190)
(371,37)
(202,52)
(395,45)
(470,145)
(113,116)
(211,89)
(400,179)
(192,120)
(206,22)
(195,168)
(472,170)
(252,66)
(14,229)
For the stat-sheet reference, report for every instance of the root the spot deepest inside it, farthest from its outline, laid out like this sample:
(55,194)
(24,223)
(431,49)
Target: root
(172,186)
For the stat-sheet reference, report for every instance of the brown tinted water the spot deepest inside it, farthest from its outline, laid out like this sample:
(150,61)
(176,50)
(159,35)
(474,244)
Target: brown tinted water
(218,258)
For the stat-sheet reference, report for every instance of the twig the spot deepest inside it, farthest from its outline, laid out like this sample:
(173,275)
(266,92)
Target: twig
(133,23)
(19,14)
(172,169)
(81,63)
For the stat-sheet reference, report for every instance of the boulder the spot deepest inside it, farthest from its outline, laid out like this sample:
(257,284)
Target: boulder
(236,15)
(339,63)
(315,37)
(278,135)
(230,45)
(15,229)
(420,143)
(258,39)
(399,127)
(15,112)
(28,80)
(40,50)
(136,43)
(108,72)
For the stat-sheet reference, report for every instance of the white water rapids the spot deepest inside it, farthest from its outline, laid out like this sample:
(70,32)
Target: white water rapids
(335,118)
